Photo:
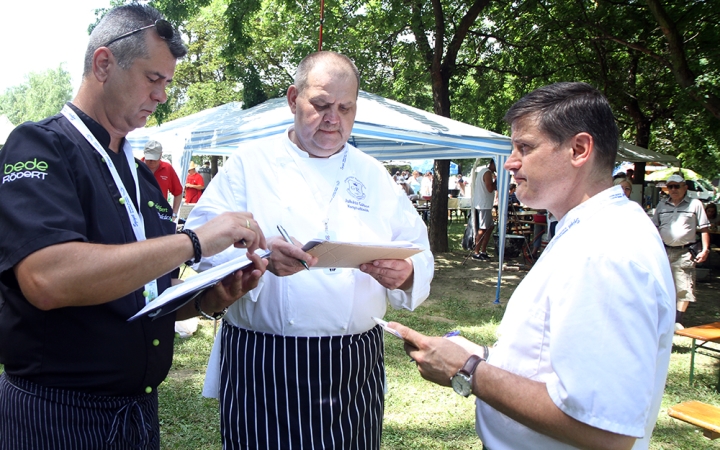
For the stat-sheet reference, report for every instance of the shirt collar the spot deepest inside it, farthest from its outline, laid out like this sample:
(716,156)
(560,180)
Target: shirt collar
(95,128)
(303,154)
(595,203)
(685,199)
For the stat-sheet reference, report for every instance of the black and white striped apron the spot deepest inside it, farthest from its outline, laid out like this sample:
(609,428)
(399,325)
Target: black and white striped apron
(288,392)
(34,417)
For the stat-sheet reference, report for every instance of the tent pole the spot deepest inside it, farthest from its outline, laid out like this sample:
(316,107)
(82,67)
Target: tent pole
(322,20)
(503,181)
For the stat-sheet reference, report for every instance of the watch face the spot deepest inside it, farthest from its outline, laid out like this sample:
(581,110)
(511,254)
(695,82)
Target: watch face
(461,385)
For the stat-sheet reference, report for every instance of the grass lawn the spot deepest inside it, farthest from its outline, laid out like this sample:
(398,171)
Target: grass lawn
(421,415)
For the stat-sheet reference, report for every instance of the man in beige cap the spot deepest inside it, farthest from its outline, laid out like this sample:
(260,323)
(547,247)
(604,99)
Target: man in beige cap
(679,218)
(164,174)
(194,184)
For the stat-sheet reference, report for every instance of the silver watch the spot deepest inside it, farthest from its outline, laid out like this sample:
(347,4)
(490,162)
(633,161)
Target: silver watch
(462,381)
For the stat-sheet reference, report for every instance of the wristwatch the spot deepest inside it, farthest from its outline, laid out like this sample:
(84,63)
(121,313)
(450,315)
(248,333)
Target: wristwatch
(462,381)
(215,316)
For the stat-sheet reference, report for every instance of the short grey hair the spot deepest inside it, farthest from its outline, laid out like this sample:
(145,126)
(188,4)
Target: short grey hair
(121,20)
(313,59)
(565,109)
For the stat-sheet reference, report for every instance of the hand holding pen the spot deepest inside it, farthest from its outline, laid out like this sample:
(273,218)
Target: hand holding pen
(286,238)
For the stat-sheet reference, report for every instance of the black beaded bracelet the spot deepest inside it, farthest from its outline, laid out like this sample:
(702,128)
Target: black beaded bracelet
(196,246)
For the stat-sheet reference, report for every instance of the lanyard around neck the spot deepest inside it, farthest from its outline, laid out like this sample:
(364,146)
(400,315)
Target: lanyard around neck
(136,219)
(311,183)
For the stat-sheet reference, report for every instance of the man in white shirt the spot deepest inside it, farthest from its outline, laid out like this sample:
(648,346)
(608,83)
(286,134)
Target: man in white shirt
(300,362)
(484,188)
(584,345)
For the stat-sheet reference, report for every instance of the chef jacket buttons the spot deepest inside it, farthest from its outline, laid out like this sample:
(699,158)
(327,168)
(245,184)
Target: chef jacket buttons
(146,294)
(156,342)
(148,390)
(151,203)
(122,200)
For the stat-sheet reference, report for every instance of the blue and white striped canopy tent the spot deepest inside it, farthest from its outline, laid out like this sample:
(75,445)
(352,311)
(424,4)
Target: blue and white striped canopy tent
(384,129)
(426,165)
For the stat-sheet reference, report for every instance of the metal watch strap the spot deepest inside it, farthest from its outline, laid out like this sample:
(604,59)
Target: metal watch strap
(215,316)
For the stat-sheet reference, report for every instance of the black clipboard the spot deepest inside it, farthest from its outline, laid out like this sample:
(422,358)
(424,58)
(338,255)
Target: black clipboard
(177,296)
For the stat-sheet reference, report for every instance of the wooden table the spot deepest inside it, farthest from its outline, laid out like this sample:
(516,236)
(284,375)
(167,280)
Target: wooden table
(705,334)
(699,414)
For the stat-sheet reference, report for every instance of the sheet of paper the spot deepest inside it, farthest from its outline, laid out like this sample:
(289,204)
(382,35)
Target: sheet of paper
(352,254)
(385,327)
(177,296)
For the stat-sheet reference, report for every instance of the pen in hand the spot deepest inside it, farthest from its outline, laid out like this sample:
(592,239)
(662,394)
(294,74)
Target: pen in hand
(286,236)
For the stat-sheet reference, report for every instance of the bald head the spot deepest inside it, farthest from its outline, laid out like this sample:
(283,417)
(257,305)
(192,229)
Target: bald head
(340,66)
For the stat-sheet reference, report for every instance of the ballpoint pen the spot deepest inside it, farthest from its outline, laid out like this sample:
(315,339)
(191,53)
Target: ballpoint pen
(286,236)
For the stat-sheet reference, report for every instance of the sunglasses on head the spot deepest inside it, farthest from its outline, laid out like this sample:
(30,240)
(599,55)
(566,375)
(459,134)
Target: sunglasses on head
(163,27)
(673,186)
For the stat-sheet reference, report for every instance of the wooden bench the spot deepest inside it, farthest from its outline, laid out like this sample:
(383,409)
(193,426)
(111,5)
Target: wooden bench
(705,334)
(699,414)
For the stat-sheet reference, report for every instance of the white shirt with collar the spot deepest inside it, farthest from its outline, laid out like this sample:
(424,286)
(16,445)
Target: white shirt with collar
(593,323)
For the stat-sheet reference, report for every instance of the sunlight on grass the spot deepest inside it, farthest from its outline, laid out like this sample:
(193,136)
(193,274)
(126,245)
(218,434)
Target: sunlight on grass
(419,414)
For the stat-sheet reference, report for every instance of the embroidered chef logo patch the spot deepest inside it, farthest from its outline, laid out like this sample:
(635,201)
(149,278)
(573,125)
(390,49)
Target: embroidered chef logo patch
(25,169)
(355,188)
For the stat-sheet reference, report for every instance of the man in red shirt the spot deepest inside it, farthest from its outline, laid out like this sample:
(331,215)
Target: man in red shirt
(194,185)
(164,174)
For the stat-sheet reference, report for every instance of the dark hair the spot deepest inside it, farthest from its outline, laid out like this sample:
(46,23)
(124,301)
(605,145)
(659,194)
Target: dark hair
(310,61)
(124,19)
(512,186)
(565,109)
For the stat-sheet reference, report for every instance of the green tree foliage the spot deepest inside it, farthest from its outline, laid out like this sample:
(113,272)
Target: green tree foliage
(41,95)
(656,61)
(203,79)
(662,94)
(253,93)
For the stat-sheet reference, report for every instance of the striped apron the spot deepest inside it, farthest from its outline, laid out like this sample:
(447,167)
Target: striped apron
(34,417)
(285,392)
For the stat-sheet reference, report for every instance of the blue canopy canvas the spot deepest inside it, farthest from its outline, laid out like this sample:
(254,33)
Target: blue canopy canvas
(383,128)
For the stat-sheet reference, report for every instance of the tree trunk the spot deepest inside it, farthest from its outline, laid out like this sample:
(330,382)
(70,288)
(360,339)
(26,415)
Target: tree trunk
(441,71)
(438,212)
(641,121)
(437,234)
(679,63)
(214,164)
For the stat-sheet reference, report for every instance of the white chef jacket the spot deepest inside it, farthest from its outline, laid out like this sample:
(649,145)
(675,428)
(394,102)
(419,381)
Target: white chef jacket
(354,195)
(593,322)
